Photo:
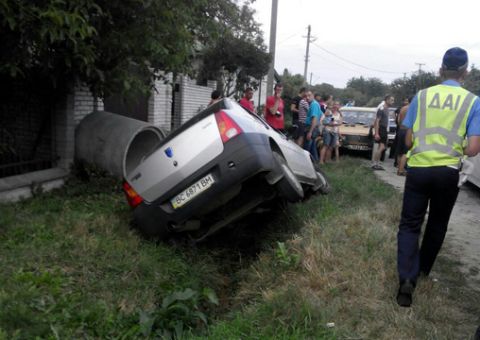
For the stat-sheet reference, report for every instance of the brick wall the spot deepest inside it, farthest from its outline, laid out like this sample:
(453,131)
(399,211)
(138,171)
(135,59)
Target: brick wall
(69,112)
(190,99)
(160,104)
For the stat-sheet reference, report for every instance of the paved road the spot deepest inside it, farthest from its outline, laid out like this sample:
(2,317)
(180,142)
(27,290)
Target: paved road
(463,236)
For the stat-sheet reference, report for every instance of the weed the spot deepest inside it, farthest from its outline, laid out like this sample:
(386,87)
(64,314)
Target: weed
(285,257)
(180,311)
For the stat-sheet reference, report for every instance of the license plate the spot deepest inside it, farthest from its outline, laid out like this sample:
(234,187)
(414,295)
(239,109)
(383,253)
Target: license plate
(357,147)
(192,191)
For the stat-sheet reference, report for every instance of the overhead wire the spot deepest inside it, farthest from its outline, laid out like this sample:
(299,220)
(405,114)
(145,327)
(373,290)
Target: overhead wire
(354,63)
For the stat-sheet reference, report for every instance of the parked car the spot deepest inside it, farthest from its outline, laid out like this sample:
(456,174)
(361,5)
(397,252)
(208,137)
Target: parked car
(356,130)
(218,167)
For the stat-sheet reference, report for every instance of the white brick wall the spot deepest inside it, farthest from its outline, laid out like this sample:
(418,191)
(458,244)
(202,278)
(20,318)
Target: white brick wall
(160,104)
(191,99)
(68,114)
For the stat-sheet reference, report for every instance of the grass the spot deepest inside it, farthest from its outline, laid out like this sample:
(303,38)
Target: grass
(72,267)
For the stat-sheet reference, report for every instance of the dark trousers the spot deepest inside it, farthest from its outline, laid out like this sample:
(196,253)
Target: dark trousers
(436,186)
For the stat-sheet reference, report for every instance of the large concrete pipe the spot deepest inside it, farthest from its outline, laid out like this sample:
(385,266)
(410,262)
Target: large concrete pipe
(115,143)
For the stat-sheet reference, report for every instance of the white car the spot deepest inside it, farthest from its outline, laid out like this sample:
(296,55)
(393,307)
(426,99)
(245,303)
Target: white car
(474,178)
(219,166)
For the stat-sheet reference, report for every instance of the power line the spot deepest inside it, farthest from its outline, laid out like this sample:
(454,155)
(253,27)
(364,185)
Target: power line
(354,63)
(336,63)
(288,38)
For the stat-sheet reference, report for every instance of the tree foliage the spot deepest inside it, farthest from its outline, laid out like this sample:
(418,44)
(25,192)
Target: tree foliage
(110,44)
(291,84)
(238,59)
(472,82)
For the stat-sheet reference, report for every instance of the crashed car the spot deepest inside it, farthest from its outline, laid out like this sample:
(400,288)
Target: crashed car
(216,168)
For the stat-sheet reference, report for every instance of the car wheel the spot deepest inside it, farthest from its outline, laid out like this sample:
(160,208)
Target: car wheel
(322,186)
(288,187)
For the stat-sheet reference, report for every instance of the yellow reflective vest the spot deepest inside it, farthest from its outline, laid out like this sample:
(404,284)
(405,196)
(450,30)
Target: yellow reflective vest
(440,126)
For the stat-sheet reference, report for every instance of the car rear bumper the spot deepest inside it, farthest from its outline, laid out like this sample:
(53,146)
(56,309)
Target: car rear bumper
(243,157)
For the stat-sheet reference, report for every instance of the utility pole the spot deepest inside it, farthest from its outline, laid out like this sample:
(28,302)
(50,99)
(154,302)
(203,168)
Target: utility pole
(419,83)
(309,40)
(273,37)
(419,67)
(311,74)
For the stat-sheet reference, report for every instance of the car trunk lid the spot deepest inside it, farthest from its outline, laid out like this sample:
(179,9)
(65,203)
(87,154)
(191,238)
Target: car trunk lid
(178,157)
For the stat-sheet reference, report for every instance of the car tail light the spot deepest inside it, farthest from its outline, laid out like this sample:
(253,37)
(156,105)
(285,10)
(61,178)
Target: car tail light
(227,126)
(133,198)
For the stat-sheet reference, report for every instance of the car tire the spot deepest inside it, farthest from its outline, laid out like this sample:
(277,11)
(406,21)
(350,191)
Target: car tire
(322,186)
(288,187)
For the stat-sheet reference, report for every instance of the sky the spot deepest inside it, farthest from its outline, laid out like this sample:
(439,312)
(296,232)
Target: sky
(371,38)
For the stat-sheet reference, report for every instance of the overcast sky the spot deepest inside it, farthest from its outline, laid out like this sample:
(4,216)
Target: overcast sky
(375,38)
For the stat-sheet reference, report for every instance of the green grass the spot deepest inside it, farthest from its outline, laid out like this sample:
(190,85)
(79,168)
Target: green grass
(73,268)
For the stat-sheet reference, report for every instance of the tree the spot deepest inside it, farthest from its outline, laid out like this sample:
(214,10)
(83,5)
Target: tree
(408,86)
(110,44)
(236,64)
(291,84)
(239,59)
(472,81)
(371,87)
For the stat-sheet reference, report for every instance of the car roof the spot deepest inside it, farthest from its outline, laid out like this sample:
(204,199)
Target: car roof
(358,109)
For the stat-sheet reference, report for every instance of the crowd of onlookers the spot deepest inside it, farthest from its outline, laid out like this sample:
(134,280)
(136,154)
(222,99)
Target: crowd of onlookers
(316,121)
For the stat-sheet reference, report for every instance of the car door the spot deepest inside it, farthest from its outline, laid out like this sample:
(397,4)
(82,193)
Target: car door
(475,176)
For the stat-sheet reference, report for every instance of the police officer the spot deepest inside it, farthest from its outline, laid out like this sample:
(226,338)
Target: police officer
(438,120)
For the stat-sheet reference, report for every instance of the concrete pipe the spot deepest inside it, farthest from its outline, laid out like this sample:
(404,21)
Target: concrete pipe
(115,143)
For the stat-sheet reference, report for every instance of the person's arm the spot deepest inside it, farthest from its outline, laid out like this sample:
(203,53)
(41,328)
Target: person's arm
(473,130)
(401,115)
(409,139)
(312,126)
(473,146)
(273,110)
(293,107)
(376,128)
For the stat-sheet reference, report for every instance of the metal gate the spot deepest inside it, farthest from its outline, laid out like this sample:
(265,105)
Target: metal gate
(27,141)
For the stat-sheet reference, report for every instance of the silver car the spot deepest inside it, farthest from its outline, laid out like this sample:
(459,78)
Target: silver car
(219,166)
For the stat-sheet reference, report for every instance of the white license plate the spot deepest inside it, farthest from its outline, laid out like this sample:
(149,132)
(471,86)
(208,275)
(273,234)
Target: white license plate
(357,147)
(192,191)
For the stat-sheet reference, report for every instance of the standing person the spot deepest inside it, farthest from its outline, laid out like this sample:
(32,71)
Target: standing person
(246,101)
(325,101)
(311,124)
(401,149)
(295,108)
(438,119)
(303,107)
(216,96)
(274,108)
(381,130)
(331,124)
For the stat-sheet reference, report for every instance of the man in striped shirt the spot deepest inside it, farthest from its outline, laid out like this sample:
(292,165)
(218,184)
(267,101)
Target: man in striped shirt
(303,107)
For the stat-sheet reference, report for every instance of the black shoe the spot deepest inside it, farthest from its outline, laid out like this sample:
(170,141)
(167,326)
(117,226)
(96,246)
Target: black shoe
(404,296)
(377,167)
(477,334)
